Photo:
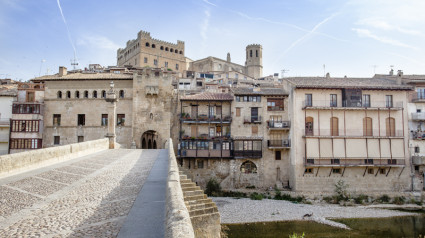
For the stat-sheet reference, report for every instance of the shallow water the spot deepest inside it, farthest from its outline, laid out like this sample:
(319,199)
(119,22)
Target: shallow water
(408,226)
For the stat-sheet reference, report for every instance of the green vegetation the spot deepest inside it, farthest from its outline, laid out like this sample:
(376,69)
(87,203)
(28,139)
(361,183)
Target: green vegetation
(250,187)
(256,196)
(361,199)
(213,188)
(341,191)
(383,199)
(399,200)
(295,235)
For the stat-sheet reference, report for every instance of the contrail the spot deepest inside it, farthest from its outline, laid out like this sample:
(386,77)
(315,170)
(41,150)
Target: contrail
(67,29)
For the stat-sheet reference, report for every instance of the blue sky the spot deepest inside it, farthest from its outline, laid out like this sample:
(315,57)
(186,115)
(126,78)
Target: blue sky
(354,38)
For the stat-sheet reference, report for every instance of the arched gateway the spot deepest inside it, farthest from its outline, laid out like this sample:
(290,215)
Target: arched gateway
(149,139)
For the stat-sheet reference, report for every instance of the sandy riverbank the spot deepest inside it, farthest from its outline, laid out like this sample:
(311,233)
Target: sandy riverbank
(245,210)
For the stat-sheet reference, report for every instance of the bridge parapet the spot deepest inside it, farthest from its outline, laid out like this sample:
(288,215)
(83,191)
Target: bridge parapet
(15,163)
(178,223)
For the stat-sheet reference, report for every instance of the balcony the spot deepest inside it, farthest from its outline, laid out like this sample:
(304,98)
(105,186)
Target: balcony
(353,133)
(279,125)
(252,119)
(219,118)
(206,137)
(418,97)
(355,162)
(418,160)
(373,105)
(26,108)
(205,149)
(186,153)
(279,144)
(418,116)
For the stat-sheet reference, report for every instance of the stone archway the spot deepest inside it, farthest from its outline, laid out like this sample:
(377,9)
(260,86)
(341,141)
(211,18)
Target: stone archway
(149,139)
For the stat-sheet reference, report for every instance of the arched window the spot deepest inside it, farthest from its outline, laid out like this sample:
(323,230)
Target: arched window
(256,53)
(161,48)
(86,94)
(103,94)
(94,94)
(171,50)
(68,94)
(166,48)
(121,93)
(176,51)
(59,94)
(334,126)
(147,44)
(309,126)
(77,94)
(390,126)
(250,53)
(367,126)
(248,167)
(153,46)
(181,52)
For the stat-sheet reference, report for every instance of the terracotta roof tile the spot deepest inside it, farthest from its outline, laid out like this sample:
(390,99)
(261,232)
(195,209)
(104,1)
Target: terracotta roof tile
(360,83)
(261,91)
(207,96)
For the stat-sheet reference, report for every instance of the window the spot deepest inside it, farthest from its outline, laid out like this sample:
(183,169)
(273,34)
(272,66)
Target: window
(308,171)
(333,102)
(56,119)
(254,130)
(370,171)
(390,126)
(308,100)
(68,94)
(171,50)
(368,161)
(94,94)
(248,167)
(177,66)
(334,126)
(25,125)
(199,83)
(81,119)
(200,164)
(166,64)
(382,171)
(121,93)
(250,53)
(30,97)
(310,161)
(277,155)
(194,131)
(80,139)
(166,48)
(103,94)
(254,114)
(121,120)
(336,171)
(153,46)
(59,94)
(256,53)
(274,104)
(367,126)
(145,60)
(238,111)
(147,44)
(161,48)
(86,94)
(56,140)
(335,161)
(77,94)
(309,126)
(366,100)
(26,109)
(104,120)
(417,150)
(389,101)
(421,93)
(155,62)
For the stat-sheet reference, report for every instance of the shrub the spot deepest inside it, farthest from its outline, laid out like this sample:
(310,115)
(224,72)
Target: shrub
(295,235)
(233,194)
(250,187)
(213,188)
(256,196)
(384,199)
(360,199)
(399,200)
(341,190)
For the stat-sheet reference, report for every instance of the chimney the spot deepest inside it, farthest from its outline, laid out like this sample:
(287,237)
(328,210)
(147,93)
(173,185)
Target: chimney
(62,71)
(228,57)
(328,75)
(399,76)
(391,72)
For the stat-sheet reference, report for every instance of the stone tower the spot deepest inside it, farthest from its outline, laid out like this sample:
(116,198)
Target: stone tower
(254,60)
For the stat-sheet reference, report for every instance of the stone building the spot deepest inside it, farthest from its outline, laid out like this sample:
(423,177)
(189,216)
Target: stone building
(76,109)
(146,51)
(27,123)
(349,129)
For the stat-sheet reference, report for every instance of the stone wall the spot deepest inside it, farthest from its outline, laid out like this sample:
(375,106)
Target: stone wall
(14,163)
(177,221)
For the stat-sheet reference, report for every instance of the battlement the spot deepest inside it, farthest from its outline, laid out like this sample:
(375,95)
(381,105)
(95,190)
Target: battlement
(254,46)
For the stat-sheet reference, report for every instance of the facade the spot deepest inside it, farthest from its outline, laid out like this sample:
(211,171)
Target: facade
(146,51)
(27,123)
(76,109)
(7,97)
(349,129)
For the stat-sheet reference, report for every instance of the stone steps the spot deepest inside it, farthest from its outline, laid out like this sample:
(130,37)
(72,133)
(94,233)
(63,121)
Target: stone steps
(194,188)
(193,193)
(195,197)
(201,206)
(203,211)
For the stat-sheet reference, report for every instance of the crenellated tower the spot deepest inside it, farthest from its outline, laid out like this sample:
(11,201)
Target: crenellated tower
(254,60)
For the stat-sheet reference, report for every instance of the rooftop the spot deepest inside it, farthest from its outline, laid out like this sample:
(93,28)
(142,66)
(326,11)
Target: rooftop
(84,76)
(260,91)
(340,83)
(207,96)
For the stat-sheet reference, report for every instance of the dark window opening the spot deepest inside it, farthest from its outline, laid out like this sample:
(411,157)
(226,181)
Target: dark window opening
(121,120)
(56,140)
(56,119)
(81,119)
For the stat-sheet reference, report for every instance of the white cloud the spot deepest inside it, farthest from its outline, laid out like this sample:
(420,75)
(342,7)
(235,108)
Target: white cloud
(204,28)
(383,39)
(385,25)
(97,41)
(210,3)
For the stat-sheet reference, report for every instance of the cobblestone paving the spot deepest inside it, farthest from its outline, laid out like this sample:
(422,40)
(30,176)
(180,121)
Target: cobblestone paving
(88,198)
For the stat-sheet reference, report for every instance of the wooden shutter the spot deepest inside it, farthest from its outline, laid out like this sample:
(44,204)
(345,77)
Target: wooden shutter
(194,131)
(238,111)
(334,126)
(367,126)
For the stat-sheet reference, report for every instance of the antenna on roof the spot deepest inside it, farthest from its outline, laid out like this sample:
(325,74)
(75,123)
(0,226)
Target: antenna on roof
(74,62)
(41,65)
(283,71)
(374,68)
(324,70)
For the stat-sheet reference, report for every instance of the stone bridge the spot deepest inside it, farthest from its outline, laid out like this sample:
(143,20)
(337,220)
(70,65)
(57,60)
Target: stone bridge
(88,190)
